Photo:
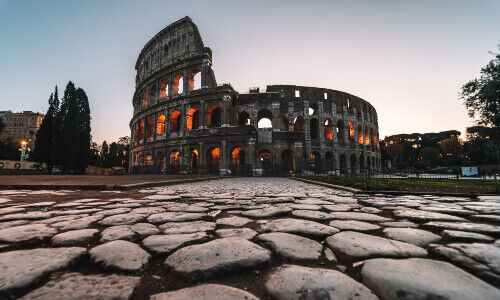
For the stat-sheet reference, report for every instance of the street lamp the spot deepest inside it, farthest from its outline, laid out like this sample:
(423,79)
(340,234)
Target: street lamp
(23,150)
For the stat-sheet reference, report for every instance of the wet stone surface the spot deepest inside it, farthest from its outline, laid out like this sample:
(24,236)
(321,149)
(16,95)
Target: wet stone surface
(247,238)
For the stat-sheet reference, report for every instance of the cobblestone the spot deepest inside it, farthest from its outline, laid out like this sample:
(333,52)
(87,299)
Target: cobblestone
(245,234)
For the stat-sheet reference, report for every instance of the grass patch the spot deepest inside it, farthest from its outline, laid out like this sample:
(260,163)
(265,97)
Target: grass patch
(473,186)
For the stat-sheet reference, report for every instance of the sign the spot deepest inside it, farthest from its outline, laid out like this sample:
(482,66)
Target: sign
(469,171)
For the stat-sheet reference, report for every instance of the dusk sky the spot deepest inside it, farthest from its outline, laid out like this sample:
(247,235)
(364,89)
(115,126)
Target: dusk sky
(407,58)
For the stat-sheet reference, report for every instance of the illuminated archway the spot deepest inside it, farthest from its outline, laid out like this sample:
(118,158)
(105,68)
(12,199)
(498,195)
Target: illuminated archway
(174,158)
(145,98)
(193,119)
(266,162)
(360,135)
(214,160)
(141,130)
(352,130)
(164,89)
(194,160)
(160,126)
(175,121)
(328,128)
(238,156)
(367,136)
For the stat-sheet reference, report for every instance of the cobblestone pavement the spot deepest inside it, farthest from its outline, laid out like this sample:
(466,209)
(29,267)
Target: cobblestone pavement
(248,238)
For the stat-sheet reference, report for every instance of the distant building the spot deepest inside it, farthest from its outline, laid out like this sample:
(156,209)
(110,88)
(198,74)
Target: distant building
(21,126)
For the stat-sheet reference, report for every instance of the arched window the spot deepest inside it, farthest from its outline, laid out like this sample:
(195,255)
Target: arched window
(193,119)
(328,129)
(264,118)
(136,132)
(149,159)
(159,158)
(195,80)
(314,128)
(238,156)
(243,119)
(151,127)
(175,121)
(174,158)
(367,136)
(164,89)
(360,135)
(340,130)
(214,114)
(145,98)
(178,84)
(298,124)
(141,130)
(160,126)
(352,131)
(214,160)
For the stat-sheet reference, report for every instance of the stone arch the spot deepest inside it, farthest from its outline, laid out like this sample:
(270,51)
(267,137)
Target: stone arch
(360,135)
(340,130)
(298,124)
(314,128)
(195,80)
(328,129)
(193,118)
(178,84)
(367,136)
(141,130)
(193,160)
(264,119)
(174,158)
(352,130)
(151,127)
(175,121)
(316,159)
(160,158)
(214,116)
(148,159)
(284,123)
(214,158)
(145,98)
(265,158)
(238,156)
(164,89)
(160,125)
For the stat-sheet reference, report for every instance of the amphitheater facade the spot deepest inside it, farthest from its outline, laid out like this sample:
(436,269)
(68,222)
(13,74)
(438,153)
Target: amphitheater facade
(183,121)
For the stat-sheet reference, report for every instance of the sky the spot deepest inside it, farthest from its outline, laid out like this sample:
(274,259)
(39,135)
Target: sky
(407,58)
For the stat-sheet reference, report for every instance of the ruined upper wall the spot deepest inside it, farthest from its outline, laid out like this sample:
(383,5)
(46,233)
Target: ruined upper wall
(178,41)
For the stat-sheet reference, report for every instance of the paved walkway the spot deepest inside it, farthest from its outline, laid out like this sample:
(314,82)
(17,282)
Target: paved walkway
(88,180)
(247,238)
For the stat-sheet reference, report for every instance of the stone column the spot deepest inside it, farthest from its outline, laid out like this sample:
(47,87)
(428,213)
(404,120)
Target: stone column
(224,164)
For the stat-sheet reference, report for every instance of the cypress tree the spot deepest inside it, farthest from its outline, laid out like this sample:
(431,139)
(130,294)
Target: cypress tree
(68,137)
(44,136)
(82,157)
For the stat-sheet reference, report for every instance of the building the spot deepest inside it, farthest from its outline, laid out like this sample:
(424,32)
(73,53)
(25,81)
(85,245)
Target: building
(184,121)
(20,126)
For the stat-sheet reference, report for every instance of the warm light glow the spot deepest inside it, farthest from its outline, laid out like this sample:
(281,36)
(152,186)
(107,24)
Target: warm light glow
(352,130)
(160,126)
(23,143)
(145,98)
(178,84)
(174,158)
(164,89)
(328,129)
(215,154)
(192,120)
(367,136)
(360,135)
(174,121)
(235,156)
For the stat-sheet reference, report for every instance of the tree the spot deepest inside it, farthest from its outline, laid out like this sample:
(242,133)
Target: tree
(104,155)
(45,135)
(81,159)
(481,97)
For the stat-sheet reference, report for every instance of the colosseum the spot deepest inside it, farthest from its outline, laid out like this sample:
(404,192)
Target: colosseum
(184,122)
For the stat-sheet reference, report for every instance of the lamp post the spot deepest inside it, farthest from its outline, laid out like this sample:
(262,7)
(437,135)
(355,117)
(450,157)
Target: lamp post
(23,149)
